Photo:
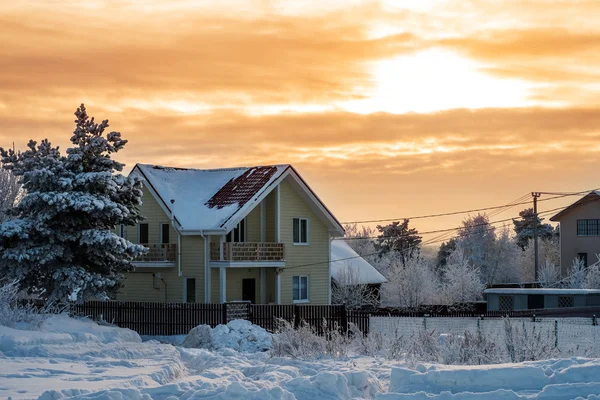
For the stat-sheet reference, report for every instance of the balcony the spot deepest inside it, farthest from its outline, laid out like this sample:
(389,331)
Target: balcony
(158,255)
(248,252)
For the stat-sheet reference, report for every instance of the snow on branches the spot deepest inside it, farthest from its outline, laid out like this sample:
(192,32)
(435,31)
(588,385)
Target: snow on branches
(61,238)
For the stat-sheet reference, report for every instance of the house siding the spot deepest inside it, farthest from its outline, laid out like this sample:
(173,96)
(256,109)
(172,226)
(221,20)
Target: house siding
(571,244)
(316,252)
(141,285)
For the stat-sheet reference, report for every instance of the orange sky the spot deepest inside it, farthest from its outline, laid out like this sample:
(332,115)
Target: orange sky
(388,109)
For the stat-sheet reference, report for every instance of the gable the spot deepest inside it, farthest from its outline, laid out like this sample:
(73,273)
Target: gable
(216,200)
(592,198)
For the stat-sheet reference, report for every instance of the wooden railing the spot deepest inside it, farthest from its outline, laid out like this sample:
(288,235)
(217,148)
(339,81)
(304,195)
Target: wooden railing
(159,252)
(248,251)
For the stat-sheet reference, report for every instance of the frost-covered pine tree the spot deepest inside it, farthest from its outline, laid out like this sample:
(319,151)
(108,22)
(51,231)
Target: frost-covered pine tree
(60,238)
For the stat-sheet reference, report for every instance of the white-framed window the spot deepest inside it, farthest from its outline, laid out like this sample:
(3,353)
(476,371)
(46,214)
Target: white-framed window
(237,234)
(300,227)
(300,288)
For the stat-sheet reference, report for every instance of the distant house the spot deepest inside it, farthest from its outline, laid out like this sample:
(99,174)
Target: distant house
(509,299)
(348,268)
(346,262)
(256,234)
(579,231)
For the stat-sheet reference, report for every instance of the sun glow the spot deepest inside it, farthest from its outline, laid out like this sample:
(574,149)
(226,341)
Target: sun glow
(434,80)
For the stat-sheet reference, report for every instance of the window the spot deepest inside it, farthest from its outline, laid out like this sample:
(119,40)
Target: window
(143,233)
(583,258)
(300,231)
(237,234)
(506,303)
(164,233)
(535,301)
(300,288)
(588,227)
(190,290)
(566,301)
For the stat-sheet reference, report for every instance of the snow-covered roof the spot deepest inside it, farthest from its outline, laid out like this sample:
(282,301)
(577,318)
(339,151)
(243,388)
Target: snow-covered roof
(345,259)
(206,199)
(550,291)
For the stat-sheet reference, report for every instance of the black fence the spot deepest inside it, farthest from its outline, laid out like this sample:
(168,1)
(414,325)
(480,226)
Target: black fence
(148,318)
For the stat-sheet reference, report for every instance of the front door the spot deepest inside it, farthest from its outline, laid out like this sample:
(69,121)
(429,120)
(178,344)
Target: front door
(249,290)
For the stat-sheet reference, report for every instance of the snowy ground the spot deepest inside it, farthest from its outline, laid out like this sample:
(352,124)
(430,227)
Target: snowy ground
(74,359)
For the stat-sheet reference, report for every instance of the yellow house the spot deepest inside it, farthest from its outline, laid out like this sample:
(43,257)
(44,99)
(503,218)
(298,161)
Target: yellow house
(256,234)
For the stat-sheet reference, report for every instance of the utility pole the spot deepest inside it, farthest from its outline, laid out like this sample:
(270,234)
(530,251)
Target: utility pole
(535,196)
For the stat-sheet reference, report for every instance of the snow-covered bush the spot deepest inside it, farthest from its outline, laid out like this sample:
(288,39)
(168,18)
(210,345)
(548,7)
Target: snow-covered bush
(16,307)
(303,342)
(548,274)
(577,274)
(60,236)
(528,344)
(592,277)
(10,192)
(347,289)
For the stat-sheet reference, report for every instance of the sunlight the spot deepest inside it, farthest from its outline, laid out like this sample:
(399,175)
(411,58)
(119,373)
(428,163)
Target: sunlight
(434,80)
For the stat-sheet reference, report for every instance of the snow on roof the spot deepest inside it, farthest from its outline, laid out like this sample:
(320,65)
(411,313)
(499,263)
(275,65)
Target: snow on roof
(206,199)
(344,258)
(541,291)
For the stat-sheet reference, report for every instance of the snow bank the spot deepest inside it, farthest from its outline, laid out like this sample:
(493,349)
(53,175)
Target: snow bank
(239,335)
(65,357)
(550,379)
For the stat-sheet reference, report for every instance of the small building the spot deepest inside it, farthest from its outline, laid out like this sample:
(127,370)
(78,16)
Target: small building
(346,262)
(510,299)
(579,231)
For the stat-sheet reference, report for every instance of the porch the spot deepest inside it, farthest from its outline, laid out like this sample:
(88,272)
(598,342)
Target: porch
(258,285)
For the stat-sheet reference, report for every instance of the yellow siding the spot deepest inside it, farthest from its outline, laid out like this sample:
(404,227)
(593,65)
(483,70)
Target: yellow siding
(317,251)
(140,285)
(270,202)
(253,225)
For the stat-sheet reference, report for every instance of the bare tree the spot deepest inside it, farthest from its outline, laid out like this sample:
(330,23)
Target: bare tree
(10,192)
(347,289)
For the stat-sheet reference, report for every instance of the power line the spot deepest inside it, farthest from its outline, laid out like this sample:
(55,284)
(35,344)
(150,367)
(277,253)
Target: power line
(420,244)
(509,205)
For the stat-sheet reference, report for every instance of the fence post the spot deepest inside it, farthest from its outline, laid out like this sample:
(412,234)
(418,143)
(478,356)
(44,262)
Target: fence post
(425,321)
(555,333)
(224,315)
(594,320)
(344,319)
(533,318)
(296,316)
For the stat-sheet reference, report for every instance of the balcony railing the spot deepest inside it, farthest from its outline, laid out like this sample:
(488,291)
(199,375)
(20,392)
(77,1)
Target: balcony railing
(159,252)
(248,251)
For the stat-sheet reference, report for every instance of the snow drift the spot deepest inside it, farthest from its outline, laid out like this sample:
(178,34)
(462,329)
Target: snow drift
(239,335)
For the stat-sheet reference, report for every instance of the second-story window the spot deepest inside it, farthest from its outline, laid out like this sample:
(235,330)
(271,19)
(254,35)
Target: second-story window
(238,234)
(588,227)
(300,231)
(164,233)
(143,233)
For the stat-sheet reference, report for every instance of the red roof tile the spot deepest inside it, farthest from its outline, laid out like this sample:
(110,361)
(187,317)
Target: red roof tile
(243,188)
